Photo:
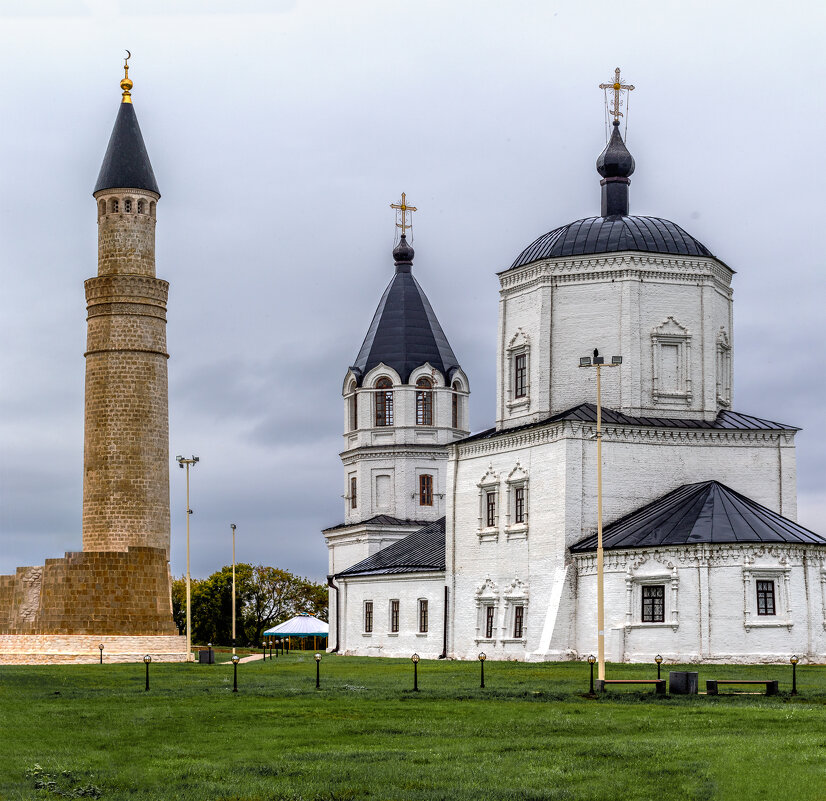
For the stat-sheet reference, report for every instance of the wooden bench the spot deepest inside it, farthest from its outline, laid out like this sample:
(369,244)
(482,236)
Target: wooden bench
(659,684)
(711,685)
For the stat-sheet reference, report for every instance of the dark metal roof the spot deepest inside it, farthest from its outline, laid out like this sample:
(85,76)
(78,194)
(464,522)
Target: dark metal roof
(126,164)
(587,413)
(423,551)
(405,333)
(611,235)
(380,520)
(705,512)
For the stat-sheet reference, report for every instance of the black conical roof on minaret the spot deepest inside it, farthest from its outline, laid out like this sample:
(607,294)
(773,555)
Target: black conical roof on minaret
(126,164)
(405,333)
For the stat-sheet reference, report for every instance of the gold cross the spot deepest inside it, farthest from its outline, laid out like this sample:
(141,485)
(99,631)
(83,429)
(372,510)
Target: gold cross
(617,86)
(405,210)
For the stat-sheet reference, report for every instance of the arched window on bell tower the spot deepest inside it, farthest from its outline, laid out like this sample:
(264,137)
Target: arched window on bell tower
(384,402)
(424,402)
(352,407)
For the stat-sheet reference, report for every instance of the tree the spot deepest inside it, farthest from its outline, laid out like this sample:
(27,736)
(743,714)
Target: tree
(265,596)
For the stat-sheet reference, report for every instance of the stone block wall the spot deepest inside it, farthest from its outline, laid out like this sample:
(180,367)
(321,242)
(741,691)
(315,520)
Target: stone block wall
(94,593)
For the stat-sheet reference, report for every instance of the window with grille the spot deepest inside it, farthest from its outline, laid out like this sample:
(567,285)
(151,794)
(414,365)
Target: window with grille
(422,617)
(520,375)
(765,598)
(424,402)
(490,612)
(426,490)
(394,616)
(518,621)
(368,616)
(384,402)
(519,505)
(490,509)
(354,408)
(353,487)
(653,603)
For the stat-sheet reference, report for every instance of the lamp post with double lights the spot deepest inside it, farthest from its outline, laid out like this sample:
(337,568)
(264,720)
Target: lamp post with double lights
(191,462)
(599,362)
(232,526)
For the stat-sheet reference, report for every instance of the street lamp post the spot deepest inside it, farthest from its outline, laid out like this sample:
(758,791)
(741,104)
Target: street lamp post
(659,660)
(598,362)
(591,660)
(235,660)
(232,526)
(794,660)
(146,660)
(187,463)
(317,671)
(482,659)
(101,653)
(415,660)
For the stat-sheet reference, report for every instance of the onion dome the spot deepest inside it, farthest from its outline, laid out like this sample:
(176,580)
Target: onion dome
(126,164)
(405,333)
(614,230)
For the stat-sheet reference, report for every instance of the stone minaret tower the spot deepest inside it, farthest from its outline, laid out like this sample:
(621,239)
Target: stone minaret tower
(126,444)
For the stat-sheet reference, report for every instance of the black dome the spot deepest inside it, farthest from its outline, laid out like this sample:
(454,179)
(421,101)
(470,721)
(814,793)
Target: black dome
(615,161)
(611,235)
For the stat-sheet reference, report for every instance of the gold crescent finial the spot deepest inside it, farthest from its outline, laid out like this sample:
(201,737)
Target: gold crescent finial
(126,84)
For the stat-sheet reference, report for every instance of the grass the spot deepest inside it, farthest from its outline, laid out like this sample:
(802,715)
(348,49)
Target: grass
(92,731)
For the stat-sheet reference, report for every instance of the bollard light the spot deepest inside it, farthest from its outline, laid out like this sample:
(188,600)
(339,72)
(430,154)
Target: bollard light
(101,653)
(317,671)
(235,660)
(146,660)
(659,660)
(415,660)
(592,661)
(482,659)
(794,660)
(264,650)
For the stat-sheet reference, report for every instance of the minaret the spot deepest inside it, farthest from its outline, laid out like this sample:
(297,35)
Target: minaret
(126,443)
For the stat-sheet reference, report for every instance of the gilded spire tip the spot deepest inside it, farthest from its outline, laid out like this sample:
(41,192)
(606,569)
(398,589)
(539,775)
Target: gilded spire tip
(126,84)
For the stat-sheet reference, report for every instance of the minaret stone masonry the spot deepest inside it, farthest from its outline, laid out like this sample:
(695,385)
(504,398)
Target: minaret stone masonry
(126,443)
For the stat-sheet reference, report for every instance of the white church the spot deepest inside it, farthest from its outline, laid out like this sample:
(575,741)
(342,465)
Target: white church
(455,543)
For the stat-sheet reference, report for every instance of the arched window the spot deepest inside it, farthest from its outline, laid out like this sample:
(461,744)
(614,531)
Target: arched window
(152,209)
(424,402)
(140,207)
(113,205)
(353,407)
(384,402)
(127,205)
(456,401)
(102,207)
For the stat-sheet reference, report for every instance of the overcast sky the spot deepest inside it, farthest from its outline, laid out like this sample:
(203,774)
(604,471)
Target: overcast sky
(280,134)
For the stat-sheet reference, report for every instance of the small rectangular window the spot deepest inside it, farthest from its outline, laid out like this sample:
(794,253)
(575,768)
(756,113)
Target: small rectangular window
(354,411)
(394,616)
(520,375)
(353,486)
(368,616)
(519,505)
(653,603)
(518,621)
(490,509)
(765,598)
(422,617)
(490,611)
(425,490)
(455,411)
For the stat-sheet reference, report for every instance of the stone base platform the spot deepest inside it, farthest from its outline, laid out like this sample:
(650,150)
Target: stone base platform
(82,649)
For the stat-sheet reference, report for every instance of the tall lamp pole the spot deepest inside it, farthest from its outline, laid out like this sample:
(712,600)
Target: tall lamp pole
(599,362)
(232,526)
(187,463)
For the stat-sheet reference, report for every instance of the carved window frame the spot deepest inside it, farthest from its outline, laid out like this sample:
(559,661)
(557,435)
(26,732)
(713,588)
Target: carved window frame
(517,479)
(671,333)
(519,345)
(781,576)
(723,368)
(489,485)
(515,596)
(655,574)
(487,595)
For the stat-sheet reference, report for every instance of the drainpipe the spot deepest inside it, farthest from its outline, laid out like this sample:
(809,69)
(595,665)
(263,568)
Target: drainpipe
(442,655)
(333,586)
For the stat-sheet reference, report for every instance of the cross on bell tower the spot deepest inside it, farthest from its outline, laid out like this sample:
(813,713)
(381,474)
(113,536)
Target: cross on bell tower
(402,212)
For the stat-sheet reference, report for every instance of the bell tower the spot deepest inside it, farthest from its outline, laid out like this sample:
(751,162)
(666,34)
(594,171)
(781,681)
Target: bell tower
(126,436)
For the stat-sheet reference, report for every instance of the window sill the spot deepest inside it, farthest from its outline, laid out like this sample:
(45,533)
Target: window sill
(522,403)
(488,534)
(521,640)
(769,624)
(664,625)
(491,640)
(367,634)
(421,634)
(518,532)
(392,633)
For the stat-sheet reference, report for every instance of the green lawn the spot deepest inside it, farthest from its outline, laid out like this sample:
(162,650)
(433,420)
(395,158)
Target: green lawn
(531,734)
